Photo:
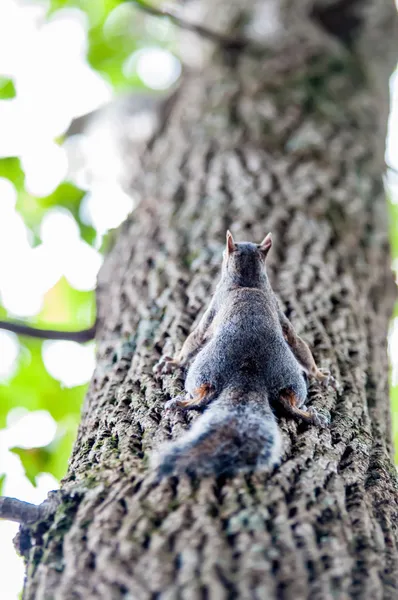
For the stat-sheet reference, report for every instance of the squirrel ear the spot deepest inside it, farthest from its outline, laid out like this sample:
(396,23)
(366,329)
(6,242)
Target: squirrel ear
(230,243)
(266,244)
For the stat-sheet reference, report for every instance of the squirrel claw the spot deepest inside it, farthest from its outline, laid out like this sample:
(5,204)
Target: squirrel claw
(334,383)
(164,366)
(317,418)
(174,402)
(328,379)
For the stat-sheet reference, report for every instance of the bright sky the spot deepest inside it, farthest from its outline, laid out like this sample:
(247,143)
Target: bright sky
(55,84)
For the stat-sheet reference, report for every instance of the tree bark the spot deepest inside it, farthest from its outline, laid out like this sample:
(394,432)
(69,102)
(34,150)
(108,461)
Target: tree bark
(285,136)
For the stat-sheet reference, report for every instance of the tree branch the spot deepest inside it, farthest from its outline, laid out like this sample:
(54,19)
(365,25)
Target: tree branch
(84,335)
(13,509)
(224,41)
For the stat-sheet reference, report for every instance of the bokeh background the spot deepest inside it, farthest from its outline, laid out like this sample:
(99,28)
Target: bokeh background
(63,189)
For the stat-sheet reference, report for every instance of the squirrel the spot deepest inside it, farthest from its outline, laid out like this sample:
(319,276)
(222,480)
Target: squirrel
(245,357)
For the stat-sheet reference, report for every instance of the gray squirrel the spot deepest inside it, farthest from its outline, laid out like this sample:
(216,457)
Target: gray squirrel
(245,357)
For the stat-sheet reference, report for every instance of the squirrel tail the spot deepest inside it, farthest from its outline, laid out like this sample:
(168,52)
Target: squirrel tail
(237,432)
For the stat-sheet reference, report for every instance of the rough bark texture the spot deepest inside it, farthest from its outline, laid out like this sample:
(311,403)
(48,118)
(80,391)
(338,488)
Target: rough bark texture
(288,142)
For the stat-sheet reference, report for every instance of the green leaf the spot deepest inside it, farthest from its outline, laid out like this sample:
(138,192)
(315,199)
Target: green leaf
(2,480)
(393,225)
(66,195)
(7,89)
(34,461)
(30,210)
(66,308)
(12,170)
(88,233)
(110,67)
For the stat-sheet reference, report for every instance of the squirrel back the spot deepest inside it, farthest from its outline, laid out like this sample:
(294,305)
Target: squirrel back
(237,432)
(246,349)
(244,357)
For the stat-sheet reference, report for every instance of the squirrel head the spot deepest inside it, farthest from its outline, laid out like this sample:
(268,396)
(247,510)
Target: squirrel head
(245,262)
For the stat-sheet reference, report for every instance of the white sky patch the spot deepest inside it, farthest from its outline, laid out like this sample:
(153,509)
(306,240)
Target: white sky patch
(15,299)
(8,198)
(69,362)
(75,147)
(59,228)
(15,414)
(392,137)
(14,235)
(45,168)
(393,351)
(14,249)
(392,187)
(82,263)
(157,68)
(16,486)
(65,28)
(28,429)
(105,207)
(95,158)
(17,24)
(45,269)
(20,291)
(65,253)
(12,139)
(54,84)
(13,569)
(32,430)
(62,252)
(9,352)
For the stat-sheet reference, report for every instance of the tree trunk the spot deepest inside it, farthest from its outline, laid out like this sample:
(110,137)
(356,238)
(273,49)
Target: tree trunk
(287,136)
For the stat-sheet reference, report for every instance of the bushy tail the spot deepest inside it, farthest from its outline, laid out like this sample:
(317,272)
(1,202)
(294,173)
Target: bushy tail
(237,432)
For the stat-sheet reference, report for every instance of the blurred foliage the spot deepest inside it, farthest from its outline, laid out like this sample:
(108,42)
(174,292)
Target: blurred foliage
(115,30)
(33,388)
(33,209)
(50,458)
(7,89)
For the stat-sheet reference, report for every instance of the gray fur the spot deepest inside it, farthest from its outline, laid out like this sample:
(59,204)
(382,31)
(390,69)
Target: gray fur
(242,353)
(233,434)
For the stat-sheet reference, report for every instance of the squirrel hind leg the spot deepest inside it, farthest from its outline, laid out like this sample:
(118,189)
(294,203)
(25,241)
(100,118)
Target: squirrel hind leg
(294,406)
(201,396)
